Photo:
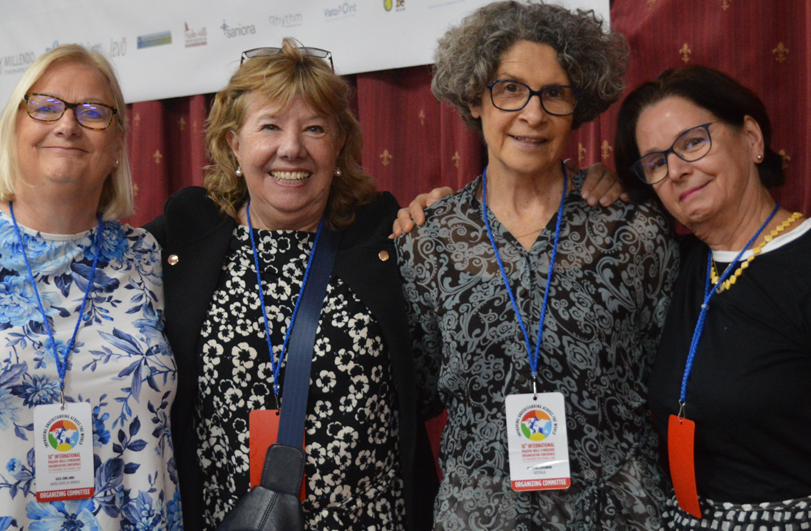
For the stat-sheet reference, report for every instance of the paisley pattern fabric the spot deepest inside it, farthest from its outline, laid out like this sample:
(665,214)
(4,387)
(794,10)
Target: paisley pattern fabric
(121,364)
(614,271)
(352,475)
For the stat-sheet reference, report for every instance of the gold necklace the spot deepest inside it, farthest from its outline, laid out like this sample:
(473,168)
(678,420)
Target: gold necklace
(756,251)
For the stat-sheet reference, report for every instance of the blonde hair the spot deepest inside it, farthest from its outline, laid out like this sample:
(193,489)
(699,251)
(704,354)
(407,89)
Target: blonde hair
(280,78)
(116,197)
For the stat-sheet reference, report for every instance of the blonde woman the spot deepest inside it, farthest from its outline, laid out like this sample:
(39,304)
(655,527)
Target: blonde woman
(85,367)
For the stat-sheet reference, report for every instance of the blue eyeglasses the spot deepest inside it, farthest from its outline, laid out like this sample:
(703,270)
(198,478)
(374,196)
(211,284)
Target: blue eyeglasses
(690,146)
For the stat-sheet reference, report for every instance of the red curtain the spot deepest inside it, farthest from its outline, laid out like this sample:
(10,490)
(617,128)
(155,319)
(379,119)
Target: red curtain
(413,143)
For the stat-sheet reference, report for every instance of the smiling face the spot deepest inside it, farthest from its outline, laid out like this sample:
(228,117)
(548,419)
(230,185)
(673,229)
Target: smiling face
(528,142)
(715,186)
(288,158)
(63,156)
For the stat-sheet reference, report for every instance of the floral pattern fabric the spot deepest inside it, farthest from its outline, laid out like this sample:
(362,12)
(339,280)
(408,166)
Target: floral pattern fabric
(352,476)
(614,271)
(121,364)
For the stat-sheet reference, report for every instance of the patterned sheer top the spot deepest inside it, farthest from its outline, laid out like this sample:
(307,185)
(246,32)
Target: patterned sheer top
(613,275)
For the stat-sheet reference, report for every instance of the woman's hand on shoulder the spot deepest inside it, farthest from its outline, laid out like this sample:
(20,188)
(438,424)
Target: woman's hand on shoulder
(415,212)
(601,185)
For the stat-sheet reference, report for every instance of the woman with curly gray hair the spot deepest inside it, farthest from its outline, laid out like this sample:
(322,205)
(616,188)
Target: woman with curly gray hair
(535,317)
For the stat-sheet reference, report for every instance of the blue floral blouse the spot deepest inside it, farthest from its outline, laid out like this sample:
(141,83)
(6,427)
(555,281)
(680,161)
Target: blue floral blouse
(121,364)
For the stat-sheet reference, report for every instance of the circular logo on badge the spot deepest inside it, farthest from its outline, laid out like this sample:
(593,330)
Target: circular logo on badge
(63,435)
(536,425)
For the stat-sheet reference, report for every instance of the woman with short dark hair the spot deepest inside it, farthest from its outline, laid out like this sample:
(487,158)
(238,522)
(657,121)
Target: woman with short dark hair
(730,381)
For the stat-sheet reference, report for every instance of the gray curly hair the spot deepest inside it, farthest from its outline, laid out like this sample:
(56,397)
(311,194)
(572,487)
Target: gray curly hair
(468,56)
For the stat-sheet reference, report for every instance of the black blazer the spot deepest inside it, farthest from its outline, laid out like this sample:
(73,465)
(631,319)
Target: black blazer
(195,237)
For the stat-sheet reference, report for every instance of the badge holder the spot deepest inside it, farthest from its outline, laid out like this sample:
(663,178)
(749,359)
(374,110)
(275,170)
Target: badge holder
(538,442)
(681,434)
(63,451)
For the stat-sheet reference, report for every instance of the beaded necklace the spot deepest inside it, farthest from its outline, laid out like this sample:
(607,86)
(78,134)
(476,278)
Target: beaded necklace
(756,251)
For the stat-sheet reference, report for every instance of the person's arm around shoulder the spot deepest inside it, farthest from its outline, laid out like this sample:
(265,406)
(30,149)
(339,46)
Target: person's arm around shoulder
(601,186)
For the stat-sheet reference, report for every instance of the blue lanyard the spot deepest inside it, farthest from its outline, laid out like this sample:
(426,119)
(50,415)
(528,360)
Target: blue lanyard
(533,357)
(705,306)
(61,362)
(276,367)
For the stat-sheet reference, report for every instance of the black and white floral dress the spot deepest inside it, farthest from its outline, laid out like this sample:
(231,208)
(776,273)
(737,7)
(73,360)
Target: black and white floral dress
(352,472)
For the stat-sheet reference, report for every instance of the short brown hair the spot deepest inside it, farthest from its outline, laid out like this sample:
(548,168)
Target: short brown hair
(280,78)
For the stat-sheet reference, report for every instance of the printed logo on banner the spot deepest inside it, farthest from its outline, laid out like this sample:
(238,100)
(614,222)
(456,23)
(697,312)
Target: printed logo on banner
(387,5)
(400,5)
(16,64)
(118,48)
(287,20)
(154,39)
(345,10)
(194,38)
(87,45)
(237,31)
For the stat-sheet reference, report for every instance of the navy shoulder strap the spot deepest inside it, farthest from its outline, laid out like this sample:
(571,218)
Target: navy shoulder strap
(302,340)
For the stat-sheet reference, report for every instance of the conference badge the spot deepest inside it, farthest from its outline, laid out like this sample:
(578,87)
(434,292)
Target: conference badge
(538,444)
(63,449)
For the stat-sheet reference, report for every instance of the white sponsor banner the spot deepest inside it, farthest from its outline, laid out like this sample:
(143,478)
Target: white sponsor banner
(169,48)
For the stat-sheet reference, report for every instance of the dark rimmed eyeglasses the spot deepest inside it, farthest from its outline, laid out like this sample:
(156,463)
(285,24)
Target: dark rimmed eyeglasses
(89,114)
(511,96)
(689,146)
(317,53)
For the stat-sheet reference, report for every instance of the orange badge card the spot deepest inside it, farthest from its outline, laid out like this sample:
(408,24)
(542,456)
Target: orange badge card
(681,434)
(263,426)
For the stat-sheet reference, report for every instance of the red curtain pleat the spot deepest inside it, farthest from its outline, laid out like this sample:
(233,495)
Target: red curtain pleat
(413,143)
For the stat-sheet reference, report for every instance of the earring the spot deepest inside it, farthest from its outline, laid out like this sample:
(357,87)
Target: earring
(759,158)
(337,172)
(238,173)
(116,162)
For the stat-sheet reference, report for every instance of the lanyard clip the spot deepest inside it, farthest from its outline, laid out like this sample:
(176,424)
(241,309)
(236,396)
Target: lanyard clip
(681,409)
(535,385)
(62,390)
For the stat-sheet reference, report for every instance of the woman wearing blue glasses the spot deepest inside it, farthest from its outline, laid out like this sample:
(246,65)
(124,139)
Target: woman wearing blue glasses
(87,378)
(729,388)
(519,290)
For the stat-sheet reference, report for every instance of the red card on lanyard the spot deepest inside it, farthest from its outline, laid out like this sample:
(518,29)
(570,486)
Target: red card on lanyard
(263,428)
(681,434)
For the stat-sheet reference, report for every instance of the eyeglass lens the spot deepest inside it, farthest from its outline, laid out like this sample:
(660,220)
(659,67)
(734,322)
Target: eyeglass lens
(49,109)
(514,96)
(689,146)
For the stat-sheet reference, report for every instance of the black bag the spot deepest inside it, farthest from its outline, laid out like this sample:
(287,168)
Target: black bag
(274,504)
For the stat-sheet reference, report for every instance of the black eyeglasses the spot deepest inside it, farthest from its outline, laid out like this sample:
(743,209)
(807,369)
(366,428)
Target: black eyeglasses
(92,115)
(511,96)
(318,53)
(689,146)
